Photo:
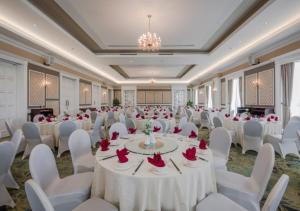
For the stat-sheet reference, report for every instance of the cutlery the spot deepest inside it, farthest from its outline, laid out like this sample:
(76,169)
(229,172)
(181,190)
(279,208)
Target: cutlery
(202,159)
(138,167)
(176,166)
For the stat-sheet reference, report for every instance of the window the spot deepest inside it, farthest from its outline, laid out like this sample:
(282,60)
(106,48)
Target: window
(235,96)
(295,104)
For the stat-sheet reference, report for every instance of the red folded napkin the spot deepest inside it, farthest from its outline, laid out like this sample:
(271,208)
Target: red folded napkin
(272,117)
(87,116)
(236,118)
(269,119)
(156,129)
(212,110)
(156,160)
(146,114)
(247,118)
(104,144)
(262,116)
(166,117)
(227,115)
(171,115)
(143,117)
(80,117)
(177,130)
(137,116)
(115,135)
(193,134)
(41,118)
(66,118)
(202,144)
(190,153)
(276,118)
(122,155)
(132,130)
(48,119)
(154,117)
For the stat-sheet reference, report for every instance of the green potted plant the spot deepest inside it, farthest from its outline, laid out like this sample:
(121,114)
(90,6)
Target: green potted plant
(189,103)
(116,102)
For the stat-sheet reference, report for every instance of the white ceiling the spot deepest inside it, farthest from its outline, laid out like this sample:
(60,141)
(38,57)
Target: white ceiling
(276,22)
(180,24)
(152,71)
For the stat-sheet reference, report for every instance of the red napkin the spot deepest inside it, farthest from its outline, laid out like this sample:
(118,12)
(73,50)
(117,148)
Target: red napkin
(156,129)
(177,130)
(80,117)
(262,116)
(122,155)
(143,117)
(235,119)
(132,130)
(156,160)
(269,119)
(104,145)
(171,115)
(86,116)
(227,115)
(272,117)
(276,118)
(193,134)
(202,144)
(48,119)
(166,117)
(146,114)
(137,116)
(154,117)
(248,118)
(115,135)
(66,118)
(41,118)
(190,153)
(212,110)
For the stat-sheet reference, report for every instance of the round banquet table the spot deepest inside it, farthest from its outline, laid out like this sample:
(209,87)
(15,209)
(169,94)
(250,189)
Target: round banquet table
(148,191)
(140,123)
(52,128)
(269,128)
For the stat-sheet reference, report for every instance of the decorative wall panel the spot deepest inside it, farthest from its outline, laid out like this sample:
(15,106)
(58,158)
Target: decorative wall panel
(104,95)
(36,88)
(251,89)
(85,93)
(167,97)
(141,97)
(158,97)
(54,104)
(223,92)
(129,97)
(117,95)
(266,87)
(201,96)
(150,97)
(52,87)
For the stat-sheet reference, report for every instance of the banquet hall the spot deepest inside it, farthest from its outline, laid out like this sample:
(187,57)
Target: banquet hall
(148,105)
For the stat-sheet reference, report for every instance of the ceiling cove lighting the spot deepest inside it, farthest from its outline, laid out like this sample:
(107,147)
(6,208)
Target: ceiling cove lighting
(149,41)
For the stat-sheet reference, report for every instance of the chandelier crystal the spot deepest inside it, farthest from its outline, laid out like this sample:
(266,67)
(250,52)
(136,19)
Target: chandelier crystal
(149,41)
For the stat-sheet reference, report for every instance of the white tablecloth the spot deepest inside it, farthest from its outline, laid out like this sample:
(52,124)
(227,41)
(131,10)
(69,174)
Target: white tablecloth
(270,128)
(147,191)
(140,123)
(52,128)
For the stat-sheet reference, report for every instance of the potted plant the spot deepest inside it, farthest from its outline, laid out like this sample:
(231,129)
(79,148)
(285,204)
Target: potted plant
(116,102)
(189,103)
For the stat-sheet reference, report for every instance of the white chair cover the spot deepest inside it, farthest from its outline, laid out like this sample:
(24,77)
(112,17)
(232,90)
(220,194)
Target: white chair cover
(9,180)
(65,193)
(157,124)
(10,127)
(94,115)
(97,133)
(164,125)
(205,120)
(120,128)
(286,143)
(217,122)
(253,136)
(122,118)
(81,154)
(66,128)
(248,191)
(187,128)
(220,142)
(130,123)
(33,137)
(7,151)
(182,121)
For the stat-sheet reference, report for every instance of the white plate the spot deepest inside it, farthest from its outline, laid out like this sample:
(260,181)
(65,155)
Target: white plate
(122,166)
(105,153)
(202,152)
(115,142)
(159,170)
(191,164)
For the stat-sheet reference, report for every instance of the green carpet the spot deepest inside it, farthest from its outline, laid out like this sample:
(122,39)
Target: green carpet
(239,163)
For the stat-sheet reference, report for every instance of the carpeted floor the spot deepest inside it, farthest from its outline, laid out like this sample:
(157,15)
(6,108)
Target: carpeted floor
(239,163)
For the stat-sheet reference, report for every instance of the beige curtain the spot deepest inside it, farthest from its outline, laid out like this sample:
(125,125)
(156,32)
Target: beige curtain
(229,93)
(206,96)
(241,89)
(287,73)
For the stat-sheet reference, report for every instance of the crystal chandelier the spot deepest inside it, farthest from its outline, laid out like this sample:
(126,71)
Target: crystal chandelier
(149,41)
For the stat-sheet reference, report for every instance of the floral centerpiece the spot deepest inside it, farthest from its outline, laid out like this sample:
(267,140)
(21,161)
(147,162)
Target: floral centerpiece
(150,139)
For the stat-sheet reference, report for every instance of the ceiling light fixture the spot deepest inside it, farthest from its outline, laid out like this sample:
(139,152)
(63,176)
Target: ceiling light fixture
(149,41)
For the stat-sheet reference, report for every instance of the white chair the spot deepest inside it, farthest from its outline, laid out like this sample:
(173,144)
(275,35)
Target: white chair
(36,117)
(33,138)
(164,125)
(248,191)
(7,151)
(130,123)
(66,128)
(122,118)
(157,124)
(63,193)
(253,136)
(187,128)
(120,128)
(9,180)
(39,201)
(217,201)
(182,121)
(94,115)
(10,127)
(205,120)
(220,142)
(96,134)
(286,143)
(219,123)
(81,153)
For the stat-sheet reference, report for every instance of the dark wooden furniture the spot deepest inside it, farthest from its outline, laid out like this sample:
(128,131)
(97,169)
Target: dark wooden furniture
(256,110)
(44,111)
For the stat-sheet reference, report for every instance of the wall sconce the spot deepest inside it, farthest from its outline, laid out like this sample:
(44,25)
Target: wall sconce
(215,89)
(46,83)
(201,93)
(85,89)
(256,82)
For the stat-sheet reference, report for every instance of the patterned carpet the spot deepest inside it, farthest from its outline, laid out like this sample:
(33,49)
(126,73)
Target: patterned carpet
(237,162)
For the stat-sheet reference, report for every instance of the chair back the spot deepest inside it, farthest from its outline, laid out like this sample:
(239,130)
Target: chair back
(94,115)
(217,122)
(7,151)
(187,128)
(263,167)
(182,121)
(276,194)
(66,128)
(42,166)
(204,116)
(290,132)
(9,127)
(110,115)
(220,142)
(16,140)
(164,125)
(36,197)
(79,144)
(120,128)
(130,123)
(36,117)
(88,111)
(122,118)
(253,128)
(31,132)
(97,133)
(157,124)
(189,113)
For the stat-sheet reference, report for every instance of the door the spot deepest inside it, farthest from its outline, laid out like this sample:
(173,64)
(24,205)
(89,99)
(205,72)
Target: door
(68,97)
(8,94)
